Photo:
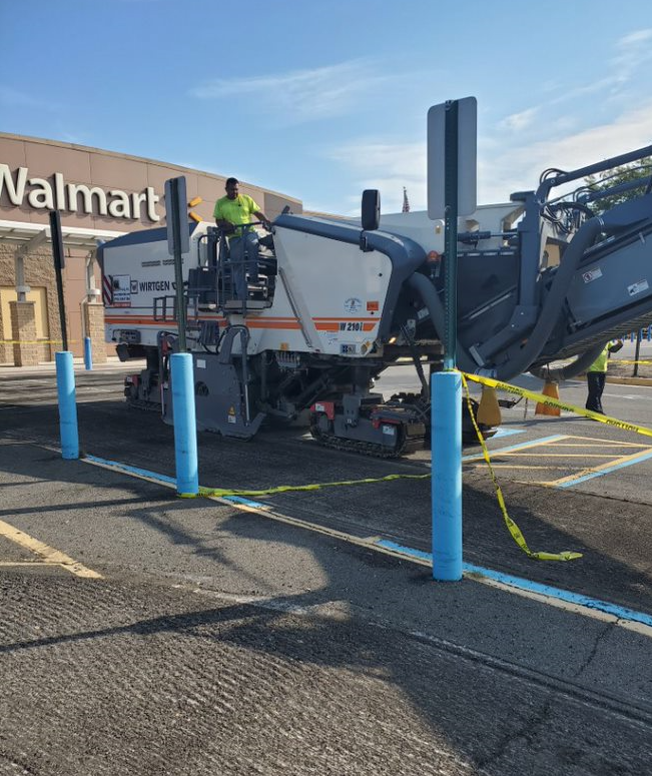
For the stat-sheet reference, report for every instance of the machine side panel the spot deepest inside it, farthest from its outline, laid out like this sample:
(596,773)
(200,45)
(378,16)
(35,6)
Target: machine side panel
(612,282)
(340,287)
(140,270)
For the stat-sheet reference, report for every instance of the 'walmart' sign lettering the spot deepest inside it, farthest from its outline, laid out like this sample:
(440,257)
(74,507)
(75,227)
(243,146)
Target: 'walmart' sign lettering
(75,197)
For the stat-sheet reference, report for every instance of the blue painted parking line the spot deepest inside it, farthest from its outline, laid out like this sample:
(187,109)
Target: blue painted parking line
(246,501)
(519,446)
(131,469)
(631,460)
(503,432)
(621,612)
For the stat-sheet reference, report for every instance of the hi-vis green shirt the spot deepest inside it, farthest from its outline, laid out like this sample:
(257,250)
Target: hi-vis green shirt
(600,363)
(236,211)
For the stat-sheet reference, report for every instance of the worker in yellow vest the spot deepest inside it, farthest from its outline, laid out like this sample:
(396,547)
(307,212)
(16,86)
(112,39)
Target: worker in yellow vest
(597,374)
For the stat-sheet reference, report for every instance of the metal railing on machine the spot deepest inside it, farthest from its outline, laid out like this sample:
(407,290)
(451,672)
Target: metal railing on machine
(638,337)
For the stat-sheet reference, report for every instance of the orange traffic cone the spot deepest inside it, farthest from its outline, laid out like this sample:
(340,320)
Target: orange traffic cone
(489,409)
(552,390)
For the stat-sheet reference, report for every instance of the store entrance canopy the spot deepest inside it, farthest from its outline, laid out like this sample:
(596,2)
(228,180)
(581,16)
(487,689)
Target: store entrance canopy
(30,235)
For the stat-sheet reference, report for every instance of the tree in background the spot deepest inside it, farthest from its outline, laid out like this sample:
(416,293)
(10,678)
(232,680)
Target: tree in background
(640,170)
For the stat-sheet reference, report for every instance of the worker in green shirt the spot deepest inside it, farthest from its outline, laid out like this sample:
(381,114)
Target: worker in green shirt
(596,376)
(232,213)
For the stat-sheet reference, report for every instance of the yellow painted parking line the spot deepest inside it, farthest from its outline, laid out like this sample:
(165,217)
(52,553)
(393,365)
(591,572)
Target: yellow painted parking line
(498,465)
(611,442)
(49,554)
(521,446)
(604,443)
(596,470)
(517,453)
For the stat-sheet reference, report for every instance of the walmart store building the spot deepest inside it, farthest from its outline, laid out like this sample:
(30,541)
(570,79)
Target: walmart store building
(99,195)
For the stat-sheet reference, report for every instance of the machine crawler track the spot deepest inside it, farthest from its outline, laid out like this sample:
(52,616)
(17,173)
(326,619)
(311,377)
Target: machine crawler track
(407,444)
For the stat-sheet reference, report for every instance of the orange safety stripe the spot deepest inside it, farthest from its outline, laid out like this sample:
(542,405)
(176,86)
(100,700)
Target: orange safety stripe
(322,324)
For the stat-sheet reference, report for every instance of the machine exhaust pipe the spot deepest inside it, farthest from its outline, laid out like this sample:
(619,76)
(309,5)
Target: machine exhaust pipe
(430,298)
(549,313)
(581,364)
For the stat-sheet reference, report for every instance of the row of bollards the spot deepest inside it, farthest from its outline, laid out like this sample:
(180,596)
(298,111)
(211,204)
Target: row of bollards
(183,404)
(446,450)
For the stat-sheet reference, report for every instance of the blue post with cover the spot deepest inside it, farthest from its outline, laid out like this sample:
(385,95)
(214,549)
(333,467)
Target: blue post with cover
(446,424)
(67,405)
(88,354)
(446,445)
(452,169)
(185,429)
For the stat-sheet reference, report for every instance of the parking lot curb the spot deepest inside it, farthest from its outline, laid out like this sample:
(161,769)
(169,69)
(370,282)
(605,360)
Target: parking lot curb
(644,381)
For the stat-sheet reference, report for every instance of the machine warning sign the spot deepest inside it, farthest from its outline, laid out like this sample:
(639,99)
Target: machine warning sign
(592,274)
(637,288)
(353,305)
(122,290)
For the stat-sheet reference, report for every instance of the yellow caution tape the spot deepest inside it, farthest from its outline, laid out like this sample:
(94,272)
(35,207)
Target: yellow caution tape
(624,361)
(225,492)
(36,342)
(539,397)
(513,529)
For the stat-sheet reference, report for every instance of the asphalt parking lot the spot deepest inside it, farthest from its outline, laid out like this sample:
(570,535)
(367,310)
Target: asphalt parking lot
(570,483)
(146,634)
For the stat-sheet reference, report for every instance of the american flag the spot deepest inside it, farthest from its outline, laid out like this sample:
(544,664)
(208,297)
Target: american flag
(406,204)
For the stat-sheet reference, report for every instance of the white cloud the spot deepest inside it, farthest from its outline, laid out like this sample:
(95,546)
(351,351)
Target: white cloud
(631,52)
(519,121)
(633,49)
(302,95)
(387,167)
(502,168)
(519,167)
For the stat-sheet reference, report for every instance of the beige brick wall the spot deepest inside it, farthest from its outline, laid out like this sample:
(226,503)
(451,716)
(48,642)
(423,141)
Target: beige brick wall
(94,326)
(6,354)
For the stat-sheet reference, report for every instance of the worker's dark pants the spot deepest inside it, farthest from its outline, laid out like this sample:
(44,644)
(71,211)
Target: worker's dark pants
(595,381)
(244,261)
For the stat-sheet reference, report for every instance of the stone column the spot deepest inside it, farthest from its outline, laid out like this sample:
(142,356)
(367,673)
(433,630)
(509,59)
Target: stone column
(94,327)
(6,353)
(23,332)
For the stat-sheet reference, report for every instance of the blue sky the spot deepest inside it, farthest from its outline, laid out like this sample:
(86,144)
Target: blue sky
(320,100)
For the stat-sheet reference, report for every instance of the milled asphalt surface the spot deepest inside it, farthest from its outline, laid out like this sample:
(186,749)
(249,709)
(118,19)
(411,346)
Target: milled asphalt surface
(221,641)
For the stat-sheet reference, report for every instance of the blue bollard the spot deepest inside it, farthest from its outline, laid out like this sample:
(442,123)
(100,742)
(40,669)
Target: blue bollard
(185,429)
(67,405)
(447,476)
(88,354)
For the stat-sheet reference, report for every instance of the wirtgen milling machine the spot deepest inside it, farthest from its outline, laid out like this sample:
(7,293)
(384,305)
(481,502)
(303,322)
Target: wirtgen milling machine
(301,331)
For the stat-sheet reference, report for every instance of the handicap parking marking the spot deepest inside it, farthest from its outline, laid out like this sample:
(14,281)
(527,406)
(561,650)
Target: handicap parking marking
(49,555)
(520,446)
(619,454)
(599,471)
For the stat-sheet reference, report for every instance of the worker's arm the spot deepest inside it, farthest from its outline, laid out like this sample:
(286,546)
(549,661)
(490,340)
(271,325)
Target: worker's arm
(226,225)
(615,346)
(262,217)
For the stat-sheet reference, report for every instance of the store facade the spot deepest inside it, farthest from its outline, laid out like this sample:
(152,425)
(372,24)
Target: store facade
(99,195)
